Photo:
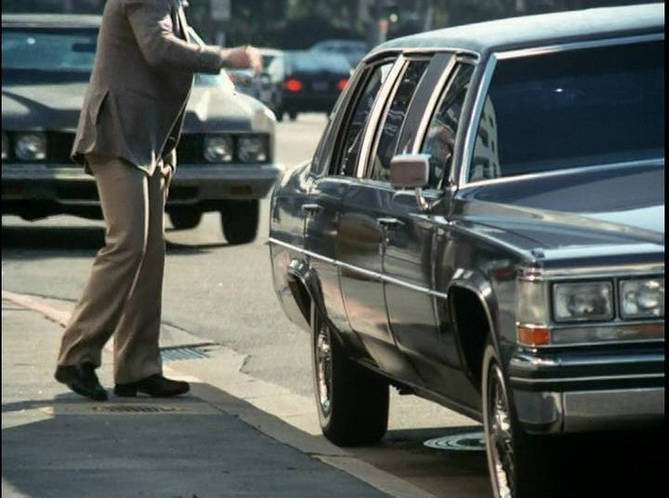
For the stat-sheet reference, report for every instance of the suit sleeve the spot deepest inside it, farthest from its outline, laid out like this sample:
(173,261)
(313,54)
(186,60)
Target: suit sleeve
(152,26)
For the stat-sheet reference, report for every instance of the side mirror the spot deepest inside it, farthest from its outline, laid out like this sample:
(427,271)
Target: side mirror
(411,171)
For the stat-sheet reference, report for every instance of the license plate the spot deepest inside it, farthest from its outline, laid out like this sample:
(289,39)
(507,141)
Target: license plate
(320,86)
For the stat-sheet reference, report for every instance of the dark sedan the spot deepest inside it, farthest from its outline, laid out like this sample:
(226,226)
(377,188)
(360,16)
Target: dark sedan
(312,81)
(225,156)
(482,225)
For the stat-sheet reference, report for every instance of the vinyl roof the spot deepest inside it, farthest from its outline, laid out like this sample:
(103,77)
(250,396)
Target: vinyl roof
(537,30)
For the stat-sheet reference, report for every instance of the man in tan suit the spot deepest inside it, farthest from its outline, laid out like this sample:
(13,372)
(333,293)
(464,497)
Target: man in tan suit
(127,135)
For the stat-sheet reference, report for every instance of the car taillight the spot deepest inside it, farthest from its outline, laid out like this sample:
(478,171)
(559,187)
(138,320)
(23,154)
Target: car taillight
(293,85)
(341,84)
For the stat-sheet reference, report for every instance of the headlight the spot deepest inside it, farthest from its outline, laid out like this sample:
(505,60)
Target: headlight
(30,146)
(5,146)
(583,301)
(252,149)
(642,298)
(218,149)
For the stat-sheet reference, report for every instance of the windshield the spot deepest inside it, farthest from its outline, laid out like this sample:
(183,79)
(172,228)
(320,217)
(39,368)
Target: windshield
(42,55)
(572,109)
(37,55)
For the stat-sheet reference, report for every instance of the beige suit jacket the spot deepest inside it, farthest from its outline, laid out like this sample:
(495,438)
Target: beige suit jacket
(141,80)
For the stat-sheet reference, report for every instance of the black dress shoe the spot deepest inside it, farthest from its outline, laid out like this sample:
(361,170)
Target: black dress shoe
(82,380)
(155,385)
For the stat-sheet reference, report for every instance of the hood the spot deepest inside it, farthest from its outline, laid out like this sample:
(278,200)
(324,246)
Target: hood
(616,206)
(54,107)
(212,109)
(57,107)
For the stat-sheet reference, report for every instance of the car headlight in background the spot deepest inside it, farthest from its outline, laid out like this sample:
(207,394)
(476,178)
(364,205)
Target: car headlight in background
(583,301)
(5,146)
(252,149)
(642,298)
(218,148)
(30,146)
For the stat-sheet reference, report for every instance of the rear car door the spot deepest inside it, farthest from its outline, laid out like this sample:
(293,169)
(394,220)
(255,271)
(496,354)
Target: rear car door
(362,229)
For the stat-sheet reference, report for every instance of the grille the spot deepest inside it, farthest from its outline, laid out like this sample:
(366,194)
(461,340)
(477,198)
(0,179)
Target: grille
(189,149)
(59,147)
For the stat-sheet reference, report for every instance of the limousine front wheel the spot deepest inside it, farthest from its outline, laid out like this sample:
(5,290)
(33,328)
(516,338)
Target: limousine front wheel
(352,401)
(514,457)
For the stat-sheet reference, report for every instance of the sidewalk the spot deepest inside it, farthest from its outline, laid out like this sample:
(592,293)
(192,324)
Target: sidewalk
(56,443)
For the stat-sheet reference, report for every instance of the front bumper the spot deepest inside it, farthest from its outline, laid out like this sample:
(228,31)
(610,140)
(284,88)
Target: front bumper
(564,393)
(70,186)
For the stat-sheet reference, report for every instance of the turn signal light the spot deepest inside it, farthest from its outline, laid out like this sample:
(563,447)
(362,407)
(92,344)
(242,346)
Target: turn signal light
(341,84)
(533,336)
(292,85)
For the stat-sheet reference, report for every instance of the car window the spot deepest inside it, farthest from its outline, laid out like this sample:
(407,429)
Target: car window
(394,118)
(350,146)
(42,55)
(440,137)
(311,62)
(572,109)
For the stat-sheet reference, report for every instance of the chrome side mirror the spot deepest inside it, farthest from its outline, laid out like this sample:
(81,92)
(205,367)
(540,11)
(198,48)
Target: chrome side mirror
(411,171)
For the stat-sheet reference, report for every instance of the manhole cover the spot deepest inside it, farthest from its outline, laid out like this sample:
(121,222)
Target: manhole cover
(472,441)
(134,409)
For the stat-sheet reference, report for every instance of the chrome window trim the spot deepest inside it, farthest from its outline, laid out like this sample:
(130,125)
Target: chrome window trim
(470,138)
(368,273)
(430,107)
(423,50)
(375,114)
(386,109)
(560,172)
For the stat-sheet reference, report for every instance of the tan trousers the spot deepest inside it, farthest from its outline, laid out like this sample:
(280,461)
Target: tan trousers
(124,291)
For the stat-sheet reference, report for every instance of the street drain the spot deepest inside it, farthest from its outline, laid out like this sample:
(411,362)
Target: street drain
(471,441)
(135,409)
(181,353)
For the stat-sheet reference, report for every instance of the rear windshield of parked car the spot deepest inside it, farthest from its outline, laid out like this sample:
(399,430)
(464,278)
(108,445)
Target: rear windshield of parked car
(572,109)
(319,61)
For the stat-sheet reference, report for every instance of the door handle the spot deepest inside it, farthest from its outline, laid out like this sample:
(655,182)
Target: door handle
(389,223)
(311,209)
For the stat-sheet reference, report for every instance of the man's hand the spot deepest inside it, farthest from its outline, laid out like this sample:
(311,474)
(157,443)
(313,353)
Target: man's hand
(242,57)
(166,172)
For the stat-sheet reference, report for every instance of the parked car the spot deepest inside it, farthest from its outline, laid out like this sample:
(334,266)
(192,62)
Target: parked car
(312,81)
(225,155)
(482,225)
(353,50)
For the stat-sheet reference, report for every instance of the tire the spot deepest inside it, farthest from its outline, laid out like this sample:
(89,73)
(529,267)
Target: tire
(185,219)
(292,115)
(515,459)
(240,222)
(352,402)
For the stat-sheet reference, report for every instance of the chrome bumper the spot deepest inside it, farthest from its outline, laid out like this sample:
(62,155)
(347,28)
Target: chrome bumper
(192,183)
(582,411)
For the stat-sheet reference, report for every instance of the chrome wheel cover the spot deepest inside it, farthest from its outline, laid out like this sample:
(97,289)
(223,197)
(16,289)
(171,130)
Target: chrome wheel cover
(500,438)
(323,352)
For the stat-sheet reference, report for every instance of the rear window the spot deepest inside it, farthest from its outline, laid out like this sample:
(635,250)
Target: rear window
(572,109)
(319,61)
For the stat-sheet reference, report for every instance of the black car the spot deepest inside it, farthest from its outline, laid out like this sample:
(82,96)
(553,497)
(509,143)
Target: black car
(482,225)
(225,155)
(312,81)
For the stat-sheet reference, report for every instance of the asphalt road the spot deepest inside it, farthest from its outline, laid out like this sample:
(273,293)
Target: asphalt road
(224,294)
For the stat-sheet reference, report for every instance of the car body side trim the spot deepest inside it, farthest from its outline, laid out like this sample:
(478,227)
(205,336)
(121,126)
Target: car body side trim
(554,380)
(368,273)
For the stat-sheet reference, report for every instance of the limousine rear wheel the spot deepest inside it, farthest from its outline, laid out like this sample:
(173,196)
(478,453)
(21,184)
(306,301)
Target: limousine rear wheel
(352,401)
(514,457)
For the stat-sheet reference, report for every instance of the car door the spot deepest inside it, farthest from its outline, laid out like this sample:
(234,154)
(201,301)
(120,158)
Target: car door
(333,170)
(415,309)
(363,229)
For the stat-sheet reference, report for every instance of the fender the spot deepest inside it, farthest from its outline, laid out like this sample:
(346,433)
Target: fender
(304,279)
(475,281)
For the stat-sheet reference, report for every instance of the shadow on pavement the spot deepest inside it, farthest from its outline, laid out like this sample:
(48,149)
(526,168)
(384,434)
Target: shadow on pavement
(154,448)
